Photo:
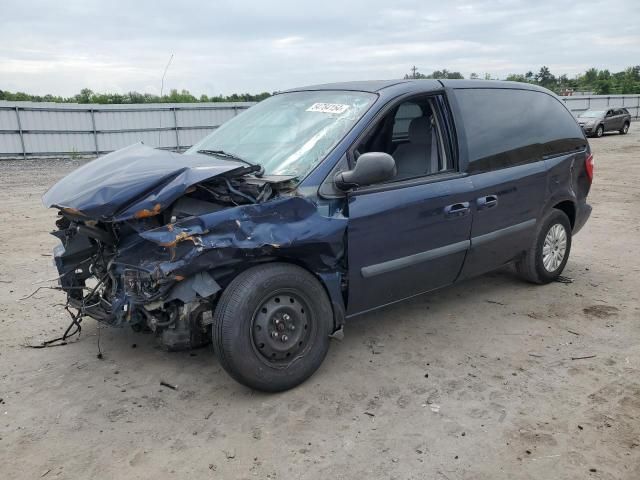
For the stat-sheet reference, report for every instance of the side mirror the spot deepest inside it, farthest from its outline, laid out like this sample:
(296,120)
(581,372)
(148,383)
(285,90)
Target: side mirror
(371,167)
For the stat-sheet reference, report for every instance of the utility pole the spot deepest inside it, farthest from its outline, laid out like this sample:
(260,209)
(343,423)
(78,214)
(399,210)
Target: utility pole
(414,71)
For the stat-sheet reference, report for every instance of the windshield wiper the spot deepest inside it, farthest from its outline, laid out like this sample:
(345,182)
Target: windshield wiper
(258,169)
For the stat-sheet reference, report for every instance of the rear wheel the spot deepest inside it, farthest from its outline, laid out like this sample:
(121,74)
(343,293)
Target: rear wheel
(600,131)
(271,327)
(548,254)
(624,129)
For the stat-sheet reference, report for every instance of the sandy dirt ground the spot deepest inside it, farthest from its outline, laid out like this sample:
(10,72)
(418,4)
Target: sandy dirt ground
(477,381)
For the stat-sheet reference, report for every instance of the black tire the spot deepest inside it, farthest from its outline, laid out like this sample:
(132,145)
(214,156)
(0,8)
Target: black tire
(599,131)
(532,267)
(624,129)
(253,307)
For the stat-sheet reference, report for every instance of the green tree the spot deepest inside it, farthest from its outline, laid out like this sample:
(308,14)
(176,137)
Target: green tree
(590,76)
(517,77)
(603,87)
(630,81)
(445,74)
(84,96)
(545,78)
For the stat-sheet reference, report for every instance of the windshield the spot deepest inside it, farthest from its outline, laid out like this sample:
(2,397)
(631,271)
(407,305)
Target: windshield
(592,114)
(290,133)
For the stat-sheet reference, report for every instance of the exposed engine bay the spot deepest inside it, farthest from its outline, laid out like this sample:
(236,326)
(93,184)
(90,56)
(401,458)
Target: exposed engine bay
(158,260)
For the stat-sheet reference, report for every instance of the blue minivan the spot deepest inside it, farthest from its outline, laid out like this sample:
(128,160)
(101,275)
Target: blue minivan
(317,205)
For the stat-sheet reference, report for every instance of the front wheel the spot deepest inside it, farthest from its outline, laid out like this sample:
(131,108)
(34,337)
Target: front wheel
(624,129)
(547,256)
(600,131)
(271,327)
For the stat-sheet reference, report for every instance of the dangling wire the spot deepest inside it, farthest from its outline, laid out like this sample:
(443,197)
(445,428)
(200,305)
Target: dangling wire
(76,319)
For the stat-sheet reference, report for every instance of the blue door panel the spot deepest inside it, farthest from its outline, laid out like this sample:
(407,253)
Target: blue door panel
(401,242)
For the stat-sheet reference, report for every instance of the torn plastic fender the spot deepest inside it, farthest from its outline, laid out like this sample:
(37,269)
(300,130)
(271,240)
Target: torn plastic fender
(288,228)
(133,182)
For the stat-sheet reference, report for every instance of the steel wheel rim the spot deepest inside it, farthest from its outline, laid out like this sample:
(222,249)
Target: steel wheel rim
(554,247)
(281,327)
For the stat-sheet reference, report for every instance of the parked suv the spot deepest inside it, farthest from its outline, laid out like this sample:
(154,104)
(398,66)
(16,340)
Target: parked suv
(596,122)
(318,205)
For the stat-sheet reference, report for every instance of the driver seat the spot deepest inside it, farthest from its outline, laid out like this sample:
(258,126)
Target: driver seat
(419,156)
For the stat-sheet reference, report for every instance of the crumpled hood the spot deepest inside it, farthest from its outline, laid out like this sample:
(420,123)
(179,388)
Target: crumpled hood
(133,182)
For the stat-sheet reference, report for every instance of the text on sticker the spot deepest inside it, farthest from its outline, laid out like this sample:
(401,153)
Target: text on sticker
(328,108)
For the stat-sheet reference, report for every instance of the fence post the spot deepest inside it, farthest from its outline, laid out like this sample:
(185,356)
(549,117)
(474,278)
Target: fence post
(95,133)
(175,124)
(24,152)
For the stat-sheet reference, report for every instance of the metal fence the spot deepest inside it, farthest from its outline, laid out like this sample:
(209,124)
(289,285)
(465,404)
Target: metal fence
(29,129)
(580,103)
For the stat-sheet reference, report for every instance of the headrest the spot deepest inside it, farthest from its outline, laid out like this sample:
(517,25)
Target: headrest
(420,130)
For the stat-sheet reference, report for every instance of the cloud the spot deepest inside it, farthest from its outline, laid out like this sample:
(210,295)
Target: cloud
(236,46)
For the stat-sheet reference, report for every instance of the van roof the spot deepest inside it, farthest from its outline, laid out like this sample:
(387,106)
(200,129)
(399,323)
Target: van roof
(411,85)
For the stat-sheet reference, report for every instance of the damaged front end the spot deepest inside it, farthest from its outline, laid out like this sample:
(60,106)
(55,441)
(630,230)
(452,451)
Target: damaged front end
(111,274)
(150,238)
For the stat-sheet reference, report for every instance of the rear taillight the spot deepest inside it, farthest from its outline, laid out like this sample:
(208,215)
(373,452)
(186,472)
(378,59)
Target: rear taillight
(588,166)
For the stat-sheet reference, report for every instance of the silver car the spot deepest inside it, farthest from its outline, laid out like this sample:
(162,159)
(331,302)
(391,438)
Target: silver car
(596,122)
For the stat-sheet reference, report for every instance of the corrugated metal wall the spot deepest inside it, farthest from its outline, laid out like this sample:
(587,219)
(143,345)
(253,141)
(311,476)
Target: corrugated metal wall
(579,104)
(29,129)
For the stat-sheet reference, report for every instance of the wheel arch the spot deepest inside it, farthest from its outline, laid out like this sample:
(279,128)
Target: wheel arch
(569,208)
(331,283)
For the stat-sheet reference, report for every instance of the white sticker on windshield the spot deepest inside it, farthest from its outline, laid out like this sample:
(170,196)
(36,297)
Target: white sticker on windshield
(336,108)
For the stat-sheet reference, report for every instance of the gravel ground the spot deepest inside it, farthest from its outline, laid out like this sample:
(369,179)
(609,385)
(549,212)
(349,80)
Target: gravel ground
(478,381)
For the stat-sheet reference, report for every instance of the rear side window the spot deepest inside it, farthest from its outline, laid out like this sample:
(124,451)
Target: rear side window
(507,127)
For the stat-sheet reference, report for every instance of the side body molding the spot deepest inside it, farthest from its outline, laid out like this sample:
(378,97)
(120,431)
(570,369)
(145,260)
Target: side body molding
(402,262)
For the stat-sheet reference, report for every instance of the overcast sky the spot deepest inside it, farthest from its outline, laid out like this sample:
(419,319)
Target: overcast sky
(224,46)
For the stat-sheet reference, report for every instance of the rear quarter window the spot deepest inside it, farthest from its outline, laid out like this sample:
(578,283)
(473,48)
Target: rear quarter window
(508,127)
